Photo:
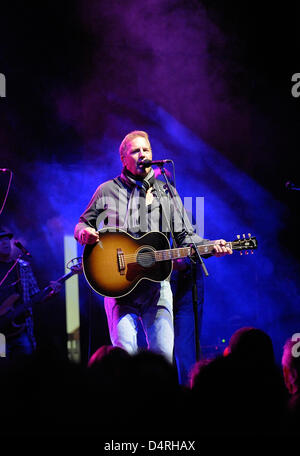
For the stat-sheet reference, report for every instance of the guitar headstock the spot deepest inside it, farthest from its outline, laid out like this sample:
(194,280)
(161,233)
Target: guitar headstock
(244,243)
(75,265)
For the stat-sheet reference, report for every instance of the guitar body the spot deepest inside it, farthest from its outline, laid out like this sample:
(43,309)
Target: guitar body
(9,303)
(115,264)
(118,262)
(13,311)
(8,323)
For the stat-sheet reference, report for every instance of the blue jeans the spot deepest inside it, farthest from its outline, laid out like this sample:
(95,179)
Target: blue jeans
(19,346)
(150,303)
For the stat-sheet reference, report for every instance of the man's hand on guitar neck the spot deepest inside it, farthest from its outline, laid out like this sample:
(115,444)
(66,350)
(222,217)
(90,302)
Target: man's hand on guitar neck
(56,287)
(220,248)
(88,236)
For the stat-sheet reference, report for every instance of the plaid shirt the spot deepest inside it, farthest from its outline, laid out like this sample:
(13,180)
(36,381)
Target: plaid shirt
(29,288)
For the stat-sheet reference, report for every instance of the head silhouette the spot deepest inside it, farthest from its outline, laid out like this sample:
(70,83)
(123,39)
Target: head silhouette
(251,345)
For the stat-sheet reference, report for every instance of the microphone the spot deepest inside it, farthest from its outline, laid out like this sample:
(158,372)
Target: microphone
(291,186)
(22,248)
(147,163)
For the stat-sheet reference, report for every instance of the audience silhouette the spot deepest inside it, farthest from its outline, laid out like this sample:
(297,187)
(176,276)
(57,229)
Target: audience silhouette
(242,392)
(291,373)
(118,394)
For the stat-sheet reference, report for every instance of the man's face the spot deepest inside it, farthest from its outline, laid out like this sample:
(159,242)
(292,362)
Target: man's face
(5,246)
(138,149)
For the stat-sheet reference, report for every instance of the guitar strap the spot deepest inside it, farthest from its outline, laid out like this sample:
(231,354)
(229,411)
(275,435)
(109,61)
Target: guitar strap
(16,262)
(162,199)
(139,187)
(144,184)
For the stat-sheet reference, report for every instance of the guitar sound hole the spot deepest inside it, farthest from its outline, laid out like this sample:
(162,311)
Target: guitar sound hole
(146,258)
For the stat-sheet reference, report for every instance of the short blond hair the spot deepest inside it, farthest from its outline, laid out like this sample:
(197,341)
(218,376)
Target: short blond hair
(128,138)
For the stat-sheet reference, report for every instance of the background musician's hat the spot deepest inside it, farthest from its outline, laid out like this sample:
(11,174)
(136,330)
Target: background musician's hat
(4,232)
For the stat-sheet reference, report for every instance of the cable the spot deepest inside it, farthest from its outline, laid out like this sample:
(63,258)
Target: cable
(8,187)
(9,271)
(174,178)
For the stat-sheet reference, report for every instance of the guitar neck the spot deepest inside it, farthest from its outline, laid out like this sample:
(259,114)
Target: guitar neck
(45,292)
(183,252)
(65,277)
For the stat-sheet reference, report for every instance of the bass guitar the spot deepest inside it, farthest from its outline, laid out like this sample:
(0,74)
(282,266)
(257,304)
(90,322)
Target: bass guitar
(118,262)
(13,311)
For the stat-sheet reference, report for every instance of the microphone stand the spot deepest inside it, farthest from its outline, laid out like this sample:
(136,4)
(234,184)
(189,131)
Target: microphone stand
(291,186)
(193,267)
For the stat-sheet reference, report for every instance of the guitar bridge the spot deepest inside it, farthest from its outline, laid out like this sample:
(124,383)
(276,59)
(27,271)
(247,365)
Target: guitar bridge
(121,261)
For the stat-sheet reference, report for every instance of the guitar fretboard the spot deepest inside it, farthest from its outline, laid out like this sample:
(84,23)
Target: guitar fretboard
(182,252)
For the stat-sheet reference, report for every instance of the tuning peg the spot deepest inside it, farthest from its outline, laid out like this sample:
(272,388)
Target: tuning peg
(246,253)
(249,235)
(244,236)
(251,252)
(241,253)
(238,236)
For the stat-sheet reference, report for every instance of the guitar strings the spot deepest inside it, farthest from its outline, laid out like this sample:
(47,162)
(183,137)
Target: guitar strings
(133,256)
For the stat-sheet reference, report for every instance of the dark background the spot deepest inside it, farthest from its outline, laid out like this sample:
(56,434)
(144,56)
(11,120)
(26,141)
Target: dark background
(210,81)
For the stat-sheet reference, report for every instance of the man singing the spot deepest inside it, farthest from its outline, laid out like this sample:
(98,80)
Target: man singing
(136,202)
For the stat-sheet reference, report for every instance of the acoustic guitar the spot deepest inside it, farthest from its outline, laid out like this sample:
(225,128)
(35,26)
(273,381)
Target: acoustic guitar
(13,311)
(118,262)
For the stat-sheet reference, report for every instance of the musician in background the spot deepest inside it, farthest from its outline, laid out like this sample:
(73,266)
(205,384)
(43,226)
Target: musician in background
(18,286)
(136,202)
